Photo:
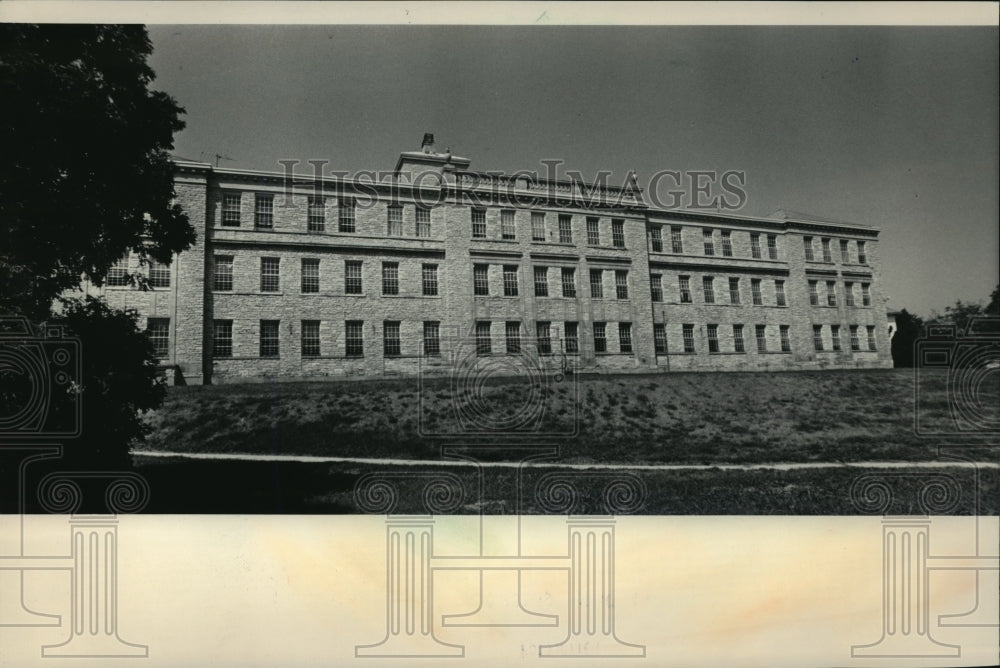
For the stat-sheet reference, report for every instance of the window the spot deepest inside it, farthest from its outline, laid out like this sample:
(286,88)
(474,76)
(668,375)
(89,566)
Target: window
(862,256)
(479,223)
(541,281)
(827,257)
(709,243)
(813,293)
(231,210)
(568,282)
(685,288)
(688,333)
(390,338)
(423,216)
(118,273)
(625,337)
(263,211)
(755,246)
(269,338)
(618,233)
(571,341)
(394,220)
(484,345)
(354,338)
(738,344)
(656,287)
(481,279)
(432,338)
(352,277)
(512,332)
(390,278)
(818,338)
(597,283)
(537,226)
(849,293)
(310,275)
(713,338)
(270,272)
(159,274)
(727,243)
(600,337)
(158,331)
(835,337)
(855,340)
(734,291)
(316,214)
(845,253)
(807,243)
(760,333)
(866,295)
(758,298)
(656,238)
(507,229)
(772,246)
(223,277)
(708,286)
(831,293)
(543,332)
(659,338)
(871,337)
(345,215)
(621,283)
(786,342)
(510,280)
(565,229)
(676,243)
(222,338)
(429,276)
(593,231)
(779,293)
(310,338)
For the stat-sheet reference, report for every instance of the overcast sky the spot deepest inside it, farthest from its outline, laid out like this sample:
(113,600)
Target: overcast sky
(891,127)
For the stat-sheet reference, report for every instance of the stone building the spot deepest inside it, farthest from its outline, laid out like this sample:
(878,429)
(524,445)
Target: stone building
(433,265)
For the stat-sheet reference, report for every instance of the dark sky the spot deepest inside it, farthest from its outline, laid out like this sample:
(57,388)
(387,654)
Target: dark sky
(895,127)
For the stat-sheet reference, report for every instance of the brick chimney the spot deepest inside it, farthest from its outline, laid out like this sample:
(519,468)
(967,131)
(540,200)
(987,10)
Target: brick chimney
(427,146)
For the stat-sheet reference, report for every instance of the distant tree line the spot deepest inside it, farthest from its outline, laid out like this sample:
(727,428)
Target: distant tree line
(911,327)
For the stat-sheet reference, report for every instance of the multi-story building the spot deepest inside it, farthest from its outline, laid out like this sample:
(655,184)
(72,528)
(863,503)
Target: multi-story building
(296,276)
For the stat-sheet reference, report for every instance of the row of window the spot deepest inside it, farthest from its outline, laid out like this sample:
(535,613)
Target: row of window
(708,290)
(709,245)
(712,335)
(827,254)
(263,216)
(835,345)
(508,229)
(270,276)
(831,294)
(481,285)
(158,274)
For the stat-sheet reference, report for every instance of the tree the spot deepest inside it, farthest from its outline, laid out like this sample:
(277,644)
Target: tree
(993,308)
(909,328)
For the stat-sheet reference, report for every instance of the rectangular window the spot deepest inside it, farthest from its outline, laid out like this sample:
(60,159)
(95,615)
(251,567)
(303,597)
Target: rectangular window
(507,228)
(538,226)
(118,273)
(571,340)
(310,275)
(231,210)
(818,338)
(685,289)
(659,338)
(222,338)
(866,295)
(831,293)
(345,214)
(621,283)
(738,344)
(568,282)
(316,214)
(510,280)
(727,243)
(354,338)
(541,281)
(158,331)
(618,233)
(713,338)
(543,332)
(871,337)
(835,337)
(481,279)
(786,342)
(708,286)
(269,338)
(755,293)
(432,338)
(849,293)
(512,332)
(600,337)
(760,333)
(479,223)
(656,238)
(394,220)
(845,253)
(827,257)
(597,283)
(429,279)
(709,243)
(688,333)
(159,274)
(772,247)
(734,291)
(779,293)
(352,277)
(565,229)
(270,274)
(263,211)
(223,275)
(807,243)
(593,231)
(390,338)
(862,255)
(625,337)
(484,343)
(755,245)
(813,293)
(390,278)
(423,216)
(676,241)
(310,338)
(855,339)
(656,287)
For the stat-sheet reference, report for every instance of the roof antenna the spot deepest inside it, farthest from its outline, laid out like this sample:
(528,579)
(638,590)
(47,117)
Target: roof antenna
(219,156)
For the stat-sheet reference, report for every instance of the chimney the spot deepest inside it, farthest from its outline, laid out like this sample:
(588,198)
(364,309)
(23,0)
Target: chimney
(427,146)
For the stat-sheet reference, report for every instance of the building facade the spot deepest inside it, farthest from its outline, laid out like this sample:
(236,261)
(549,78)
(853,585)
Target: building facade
(417,271)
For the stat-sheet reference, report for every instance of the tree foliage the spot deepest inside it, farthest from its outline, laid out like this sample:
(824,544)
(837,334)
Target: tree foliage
(909,328)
